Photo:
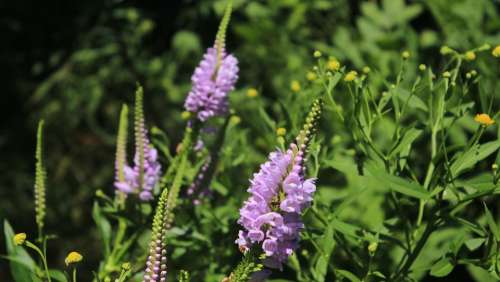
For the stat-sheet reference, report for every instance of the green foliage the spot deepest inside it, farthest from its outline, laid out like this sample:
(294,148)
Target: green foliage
(405,184)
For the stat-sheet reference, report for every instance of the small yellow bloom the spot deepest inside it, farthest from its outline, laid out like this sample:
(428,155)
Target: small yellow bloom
(447,74)
(73,257)
(484,119)
(422,67)
(470,56)
(295,86)
(496,52)
(317,54)
(405,55)
(185,115)
(366,70)
(333,65)
(19,238)
(252,92)
(311,76)
(281,131)
(350,76)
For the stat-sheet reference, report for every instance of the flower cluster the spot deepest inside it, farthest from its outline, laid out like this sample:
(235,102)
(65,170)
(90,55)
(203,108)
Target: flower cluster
(212,81)
(279,194)
(214,78)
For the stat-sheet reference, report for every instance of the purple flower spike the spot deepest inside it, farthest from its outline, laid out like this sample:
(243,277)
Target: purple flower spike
(143,176)
(271,216)
(212,81)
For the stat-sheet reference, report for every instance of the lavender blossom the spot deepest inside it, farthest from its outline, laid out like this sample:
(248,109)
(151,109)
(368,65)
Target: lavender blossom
(212,81)
(271,216)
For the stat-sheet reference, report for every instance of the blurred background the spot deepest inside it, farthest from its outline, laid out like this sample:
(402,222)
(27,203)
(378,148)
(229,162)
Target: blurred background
(73,63)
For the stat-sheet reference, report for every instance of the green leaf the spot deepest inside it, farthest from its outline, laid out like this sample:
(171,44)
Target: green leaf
(327,244)
(472,156)
(442,268)
(21,264)
(346,228)
(398,184)
(473,244)
(58,275)
(347,275)
(405,142)
(103,226)
(491,223)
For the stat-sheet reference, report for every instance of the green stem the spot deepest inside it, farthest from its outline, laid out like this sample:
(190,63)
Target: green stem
(416,251)
(74,274)
(44,260)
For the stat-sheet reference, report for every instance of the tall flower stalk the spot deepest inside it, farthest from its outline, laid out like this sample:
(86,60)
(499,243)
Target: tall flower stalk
(271,217)
(121,151)
(142,178)
(40,189)
(214,77)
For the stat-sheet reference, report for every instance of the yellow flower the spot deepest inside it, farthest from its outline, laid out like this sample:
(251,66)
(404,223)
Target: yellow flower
(295,86)
(447,74)
(484,119)
(350,76)
(333,65)
(19,238)
(281,131)
(366,70)
(185,115)
(422,67)
(405,55)
(252,92)
(496,52)
(311,76)
(73,257)
(317,54)
(470,56)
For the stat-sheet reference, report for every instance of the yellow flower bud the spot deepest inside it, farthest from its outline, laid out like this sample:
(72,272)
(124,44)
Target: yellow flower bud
(252,92)
(372,247)
(281,131)
(496,52)
(446,74)
(333,65)
(311,76)
(470,56)
(185,115)
(366,70)
(422,67)
(473,72)
(445,50)
(350,76)
(295,86)
(235,120)
(19,238)
(484,119)
(73,257)
(317,54)
(405,55)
